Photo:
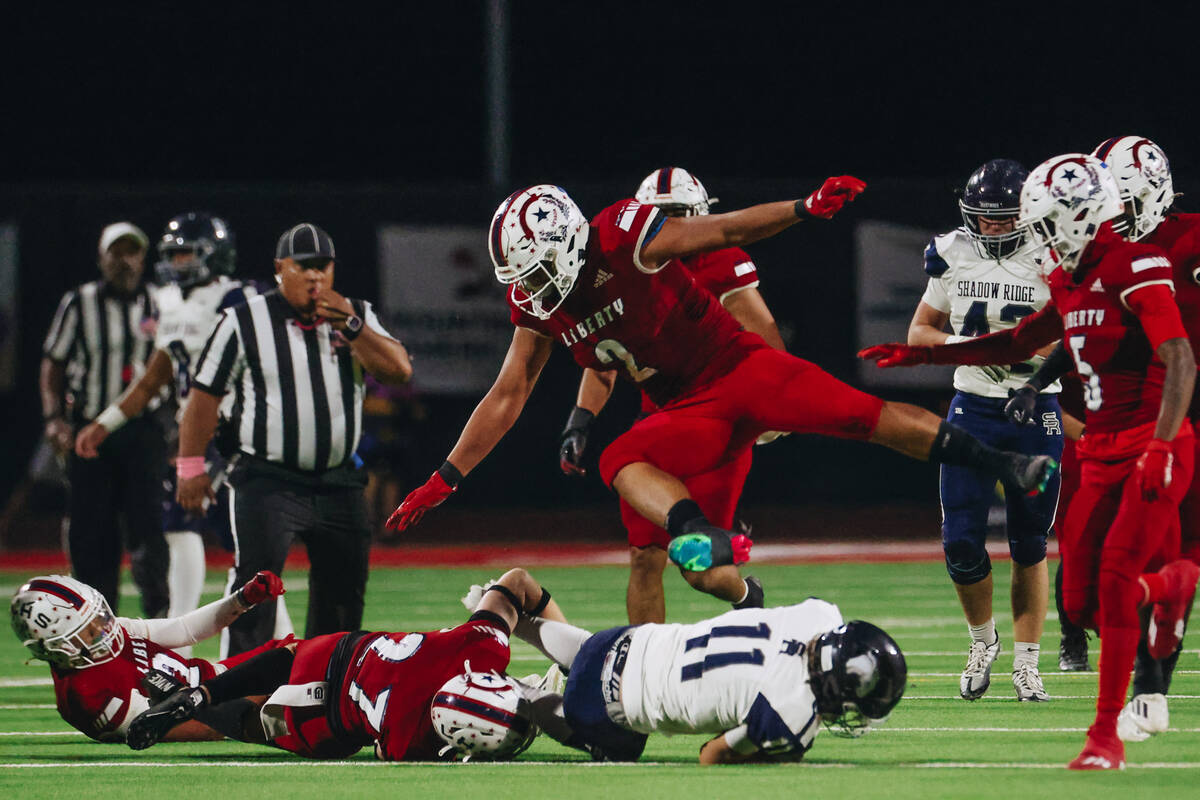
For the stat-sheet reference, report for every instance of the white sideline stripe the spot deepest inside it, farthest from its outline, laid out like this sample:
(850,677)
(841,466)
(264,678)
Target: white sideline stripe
(40,733)
(21,683)
(1014,699)
(23,706)
(583,764)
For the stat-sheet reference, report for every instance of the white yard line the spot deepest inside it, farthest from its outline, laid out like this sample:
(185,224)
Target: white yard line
(291,765)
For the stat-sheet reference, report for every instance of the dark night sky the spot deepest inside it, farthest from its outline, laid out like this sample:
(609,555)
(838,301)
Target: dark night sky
(388,93)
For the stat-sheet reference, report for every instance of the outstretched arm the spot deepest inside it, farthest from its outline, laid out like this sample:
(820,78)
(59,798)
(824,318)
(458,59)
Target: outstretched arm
(1002,347)
(209,620)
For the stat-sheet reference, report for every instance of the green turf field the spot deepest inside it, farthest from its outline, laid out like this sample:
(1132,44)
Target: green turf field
(935,745)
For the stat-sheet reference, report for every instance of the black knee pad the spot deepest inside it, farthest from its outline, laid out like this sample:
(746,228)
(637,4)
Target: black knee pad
(1028,550)
(967,562)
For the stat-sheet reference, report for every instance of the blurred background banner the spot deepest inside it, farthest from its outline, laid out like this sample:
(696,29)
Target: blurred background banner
(890,281)
(9,322)
(438,294)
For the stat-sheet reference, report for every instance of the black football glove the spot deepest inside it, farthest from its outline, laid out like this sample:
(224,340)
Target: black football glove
(1021,404)
(573,441)
(149,727)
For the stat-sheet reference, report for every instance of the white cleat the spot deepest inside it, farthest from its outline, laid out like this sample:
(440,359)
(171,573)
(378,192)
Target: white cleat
(1028,683)
(1142,717)
(978,674)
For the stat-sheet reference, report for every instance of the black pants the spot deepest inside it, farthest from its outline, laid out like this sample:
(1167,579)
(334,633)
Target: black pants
(122,485)
(269,512)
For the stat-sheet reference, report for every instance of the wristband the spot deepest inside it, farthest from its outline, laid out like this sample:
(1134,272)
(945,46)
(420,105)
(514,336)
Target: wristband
(801,210)
(112,418)
(450,474)
(188,467)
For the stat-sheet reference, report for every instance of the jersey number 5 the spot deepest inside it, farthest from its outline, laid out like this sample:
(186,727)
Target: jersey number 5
(1091,381)
(610,350)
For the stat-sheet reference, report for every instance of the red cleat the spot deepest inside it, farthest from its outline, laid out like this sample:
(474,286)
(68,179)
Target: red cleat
(1106,752)
(1166,620)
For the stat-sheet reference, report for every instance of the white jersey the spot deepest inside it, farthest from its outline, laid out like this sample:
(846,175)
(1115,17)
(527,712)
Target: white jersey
(744,673)
(983,295)
(185,321)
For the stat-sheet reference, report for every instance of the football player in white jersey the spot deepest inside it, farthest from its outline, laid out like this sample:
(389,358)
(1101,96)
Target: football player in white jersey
(197,255)
(762,679)
(983,278)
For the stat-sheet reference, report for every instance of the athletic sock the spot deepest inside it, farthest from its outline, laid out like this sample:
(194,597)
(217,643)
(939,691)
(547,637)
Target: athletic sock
(262,674)
(1118,648)
(1025,654)
(185,576)
(558,641)
(956,447)
(985,633)
(680,514)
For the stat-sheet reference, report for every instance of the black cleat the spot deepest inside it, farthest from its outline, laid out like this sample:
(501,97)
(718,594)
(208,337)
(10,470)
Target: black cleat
(1031,474)
(754,594)
(1073,653)
(149,727)
(159,684)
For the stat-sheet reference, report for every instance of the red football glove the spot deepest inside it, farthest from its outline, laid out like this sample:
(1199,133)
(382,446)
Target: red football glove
(261,587)
(834,193)
(897,355)
(418,502)
(1154,469)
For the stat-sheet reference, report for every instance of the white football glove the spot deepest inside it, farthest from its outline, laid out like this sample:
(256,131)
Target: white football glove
(771,436)
(997,372)
(475,596)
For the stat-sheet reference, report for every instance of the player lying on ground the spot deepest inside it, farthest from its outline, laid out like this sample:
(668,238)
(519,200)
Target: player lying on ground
(332,695)
(98,661)
(613,292)
(1112,303)
(762,679)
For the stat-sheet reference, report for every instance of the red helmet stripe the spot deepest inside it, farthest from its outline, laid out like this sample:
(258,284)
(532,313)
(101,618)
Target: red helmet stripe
(461,703)
(521,216)
(498,226)
(664,180)
(1103,150)
(59,591)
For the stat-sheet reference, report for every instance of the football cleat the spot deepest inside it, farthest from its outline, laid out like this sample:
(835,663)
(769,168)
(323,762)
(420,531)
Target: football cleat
(754,594)
(707,547)
(149,727)
(1100,752)
(1073,653)
(158,685)
(1166,620)
(1144,716)
(977,675)
(1028,683)
(1031,474)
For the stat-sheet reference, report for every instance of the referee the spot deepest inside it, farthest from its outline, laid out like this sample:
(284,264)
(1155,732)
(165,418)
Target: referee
(98,345)
(294,358)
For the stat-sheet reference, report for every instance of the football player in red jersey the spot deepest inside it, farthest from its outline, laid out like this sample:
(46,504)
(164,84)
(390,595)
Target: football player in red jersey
(613,293)
(98,661)
(731,276)
(334,694)
(1112,303)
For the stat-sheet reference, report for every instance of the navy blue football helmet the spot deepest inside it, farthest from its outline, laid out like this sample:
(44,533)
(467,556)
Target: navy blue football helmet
(857,673)
(994,192)
(206,239)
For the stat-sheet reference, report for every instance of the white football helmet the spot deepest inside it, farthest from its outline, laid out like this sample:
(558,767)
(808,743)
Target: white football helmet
(538,241)
(65,622)
(483,715)
(1144,177)
(1064,201)
(676,191)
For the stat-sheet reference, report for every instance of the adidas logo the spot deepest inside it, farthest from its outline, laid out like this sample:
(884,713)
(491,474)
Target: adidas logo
(602,277)
(1097,287)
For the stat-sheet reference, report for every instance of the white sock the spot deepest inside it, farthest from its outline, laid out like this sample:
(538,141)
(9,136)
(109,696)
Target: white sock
(559,641)
(185,575)
(985,633)
(283,622)
(1025,654)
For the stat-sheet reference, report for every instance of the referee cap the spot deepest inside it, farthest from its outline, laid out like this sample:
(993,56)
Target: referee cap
(120,230)
(304,241)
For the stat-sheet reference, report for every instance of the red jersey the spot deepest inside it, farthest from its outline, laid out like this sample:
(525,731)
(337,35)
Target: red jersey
(723,272)
(1179,236)
(387,691)
(652,323)
(96,700)
(1121,375)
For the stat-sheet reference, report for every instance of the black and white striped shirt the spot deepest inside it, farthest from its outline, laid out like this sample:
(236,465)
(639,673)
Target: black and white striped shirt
(298,390)
(104,339)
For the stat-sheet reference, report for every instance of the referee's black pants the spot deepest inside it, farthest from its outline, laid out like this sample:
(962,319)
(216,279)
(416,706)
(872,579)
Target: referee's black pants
(122,484)
(269,512)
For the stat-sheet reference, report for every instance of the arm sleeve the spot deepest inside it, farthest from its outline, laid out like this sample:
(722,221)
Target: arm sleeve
(1154,305)
(61,336)
(220,360)
(192,627)
(1005,347)
(1057,364)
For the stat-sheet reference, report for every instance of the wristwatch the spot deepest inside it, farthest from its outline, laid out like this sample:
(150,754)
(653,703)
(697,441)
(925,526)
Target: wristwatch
(354,326)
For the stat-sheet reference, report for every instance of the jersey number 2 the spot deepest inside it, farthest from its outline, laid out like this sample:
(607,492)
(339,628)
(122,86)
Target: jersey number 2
(610,350)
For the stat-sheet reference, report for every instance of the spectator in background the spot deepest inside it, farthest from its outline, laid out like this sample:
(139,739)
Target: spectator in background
(98,345)
(295,358)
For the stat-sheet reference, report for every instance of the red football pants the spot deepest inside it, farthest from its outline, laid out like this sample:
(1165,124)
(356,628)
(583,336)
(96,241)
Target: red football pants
(768,391)
(1189,516)
(309,732)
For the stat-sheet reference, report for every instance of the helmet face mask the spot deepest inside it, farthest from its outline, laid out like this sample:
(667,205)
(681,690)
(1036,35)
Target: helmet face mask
(483,715)
(1064,202)
(1143,174)
(206,239)
(993,193)
(858,675)
(65,622)
(676,191)
(538,241)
